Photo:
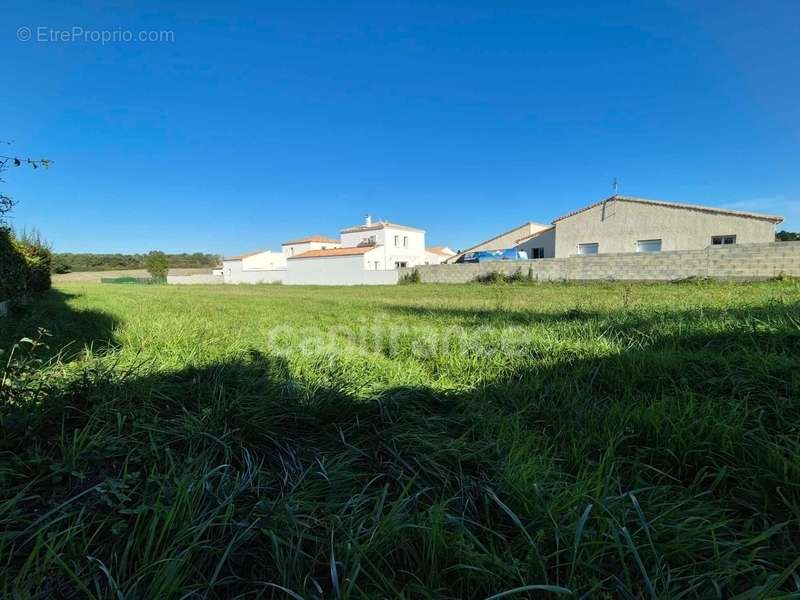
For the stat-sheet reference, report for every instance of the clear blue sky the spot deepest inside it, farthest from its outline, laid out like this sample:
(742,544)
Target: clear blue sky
(261,122)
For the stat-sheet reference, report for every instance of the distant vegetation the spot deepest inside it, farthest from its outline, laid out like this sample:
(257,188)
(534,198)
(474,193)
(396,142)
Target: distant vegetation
(69,262)
(787,236)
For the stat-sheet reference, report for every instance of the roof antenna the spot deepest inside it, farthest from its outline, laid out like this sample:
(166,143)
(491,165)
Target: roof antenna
(616,186)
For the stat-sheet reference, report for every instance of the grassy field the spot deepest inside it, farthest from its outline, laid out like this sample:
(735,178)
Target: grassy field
(476,441)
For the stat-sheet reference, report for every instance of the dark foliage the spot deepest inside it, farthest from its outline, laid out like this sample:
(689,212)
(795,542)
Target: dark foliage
(68,262)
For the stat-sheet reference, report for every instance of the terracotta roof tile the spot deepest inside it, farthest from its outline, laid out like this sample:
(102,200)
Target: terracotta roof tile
(439,250)
(312,238)
(348,251)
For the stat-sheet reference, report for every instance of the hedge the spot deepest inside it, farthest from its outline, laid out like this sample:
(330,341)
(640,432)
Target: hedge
(24,267)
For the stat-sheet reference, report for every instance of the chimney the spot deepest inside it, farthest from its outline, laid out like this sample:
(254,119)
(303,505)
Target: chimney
(367,220)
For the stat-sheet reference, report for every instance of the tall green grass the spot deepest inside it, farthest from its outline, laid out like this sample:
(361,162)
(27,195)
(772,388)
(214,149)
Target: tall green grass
(468,441)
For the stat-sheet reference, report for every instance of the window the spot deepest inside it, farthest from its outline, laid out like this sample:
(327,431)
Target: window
(723,240)
(648,246)
(400,264)
(536,253)
(397,241)
(291,251)
(377,265)
(405,241)
(588,249)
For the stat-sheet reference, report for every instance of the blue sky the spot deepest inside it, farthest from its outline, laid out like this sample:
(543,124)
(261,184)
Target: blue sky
(262,121)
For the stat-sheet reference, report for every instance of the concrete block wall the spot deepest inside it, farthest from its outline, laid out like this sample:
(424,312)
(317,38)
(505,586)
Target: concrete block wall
(737,262)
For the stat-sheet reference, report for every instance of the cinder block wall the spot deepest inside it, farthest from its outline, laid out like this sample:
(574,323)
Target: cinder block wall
(736,262)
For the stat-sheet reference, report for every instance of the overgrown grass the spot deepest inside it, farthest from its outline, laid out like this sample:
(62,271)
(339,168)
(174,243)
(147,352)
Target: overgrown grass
(467,441)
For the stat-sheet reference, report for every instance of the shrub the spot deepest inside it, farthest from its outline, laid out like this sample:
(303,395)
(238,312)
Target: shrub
(13,268)
(498,277)
(412,277)
(24,265)
(37,256)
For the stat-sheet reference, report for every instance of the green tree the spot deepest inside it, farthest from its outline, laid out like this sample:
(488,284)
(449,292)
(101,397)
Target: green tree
(157,264)
(787,236)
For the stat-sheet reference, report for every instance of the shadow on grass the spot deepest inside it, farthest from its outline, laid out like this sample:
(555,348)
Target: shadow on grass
(667,468)
(69,330)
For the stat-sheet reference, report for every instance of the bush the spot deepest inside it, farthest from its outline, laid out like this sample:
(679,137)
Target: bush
(413,277)
(498,277)
(13,268)
(37,256)
(24,266)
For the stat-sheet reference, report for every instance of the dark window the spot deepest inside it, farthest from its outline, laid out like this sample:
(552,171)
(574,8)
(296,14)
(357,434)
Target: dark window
(537,253)
(723,240)
(648,246)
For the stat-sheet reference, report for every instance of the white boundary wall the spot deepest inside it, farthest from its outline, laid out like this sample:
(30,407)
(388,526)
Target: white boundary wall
(339,270)
(259,276)
(194,279)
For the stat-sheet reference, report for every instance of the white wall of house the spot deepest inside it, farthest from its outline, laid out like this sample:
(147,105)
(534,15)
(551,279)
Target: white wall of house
(437,258)
(261,276)
(264,260)
(540,245)
(619,225)
(233,270)
(340,270)
(296,249)
(398,245)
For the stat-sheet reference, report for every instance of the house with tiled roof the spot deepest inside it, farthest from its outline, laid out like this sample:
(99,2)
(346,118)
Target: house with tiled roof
(366,253)
(304,244)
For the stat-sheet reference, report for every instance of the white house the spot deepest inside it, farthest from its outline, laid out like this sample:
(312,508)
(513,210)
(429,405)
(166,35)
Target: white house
(402,246)
(311,242)
(263,266)
(436,255)
(366,254)
(371,253)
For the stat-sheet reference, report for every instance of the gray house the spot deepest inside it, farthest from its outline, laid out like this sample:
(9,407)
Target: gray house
(628,224)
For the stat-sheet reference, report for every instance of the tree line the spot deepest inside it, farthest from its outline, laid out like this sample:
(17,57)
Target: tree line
(66,262)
